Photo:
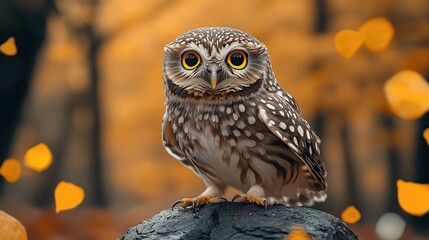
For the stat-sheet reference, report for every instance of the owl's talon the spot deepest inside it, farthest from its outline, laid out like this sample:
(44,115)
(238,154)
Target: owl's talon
(244,198)
(197,202)
(176,203)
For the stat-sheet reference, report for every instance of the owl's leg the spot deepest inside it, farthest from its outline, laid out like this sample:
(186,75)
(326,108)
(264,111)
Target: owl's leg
(255,195)
(210,195)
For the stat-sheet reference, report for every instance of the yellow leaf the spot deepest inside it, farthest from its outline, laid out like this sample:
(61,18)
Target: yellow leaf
(378,32)
(10,228)
(347,42)
(11,170)
(68,196)
(408,94)
(298,233)
(413,197)
(426,135)
(350,215)
(38,158)
(9,47)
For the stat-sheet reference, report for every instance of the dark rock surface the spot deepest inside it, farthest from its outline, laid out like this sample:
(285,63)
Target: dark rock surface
(239,221)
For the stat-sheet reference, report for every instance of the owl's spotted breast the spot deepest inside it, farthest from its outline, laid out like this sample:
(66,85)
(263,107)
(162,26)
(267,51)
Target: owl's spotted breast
(229,145)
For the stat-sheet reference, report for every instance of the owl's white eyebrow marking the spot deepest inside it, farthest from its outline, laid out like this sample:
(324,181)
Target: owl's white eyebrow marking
(200,49)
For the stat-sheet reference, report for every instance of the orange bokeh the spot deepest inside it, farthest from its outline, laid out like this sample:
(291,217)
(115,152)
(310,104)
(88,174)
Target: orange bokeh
(350,215)
(413,197)
(298,233)
(426,135)
(9,47)
(408,94)
(11,170)
(377,32)
(68,196)
(38,158)
(347,42)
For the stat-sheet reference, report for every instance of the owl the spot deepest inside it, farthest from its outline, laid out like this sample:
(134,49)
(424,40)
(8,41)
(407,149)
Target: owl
(229,120)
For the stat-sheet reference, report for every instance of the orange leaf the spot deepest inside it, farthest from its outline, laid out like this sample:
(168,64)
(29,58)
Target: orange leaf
(68,196)
(10,228)
(38,158)
(350,215)
(347,42)
(378,32)
(9,47)
(11,170)
(426,135)
(408,94)
(298,233)
(413,197)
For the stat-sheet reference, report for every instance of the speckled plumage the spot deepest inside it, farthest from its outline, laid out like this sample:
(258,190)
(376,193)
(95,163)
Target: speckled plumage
(246,132)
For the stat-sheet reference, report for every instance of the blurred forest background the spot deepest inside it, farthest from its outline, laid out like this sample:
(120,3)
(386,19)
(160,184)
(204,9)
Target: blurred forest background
(87,81)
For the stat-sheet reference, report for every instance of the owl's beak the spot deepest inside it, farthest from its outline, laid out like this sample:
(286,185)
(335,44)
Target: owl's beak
(214,71)
(213,80)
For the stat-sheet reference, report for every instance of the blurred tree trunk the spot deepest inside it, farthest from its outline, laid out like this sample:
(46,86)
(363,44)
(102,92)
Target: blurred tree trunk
(26,22)
(96,164)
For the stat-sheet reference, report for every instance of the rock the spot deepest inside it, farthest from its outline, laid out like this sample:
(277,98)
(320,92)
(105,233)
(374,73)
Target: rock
(11,228)
(239,221)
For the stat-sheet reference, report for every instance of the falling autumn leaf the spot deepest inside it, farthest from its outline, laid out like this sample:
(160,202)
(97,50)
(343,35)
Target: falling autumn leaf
(68,196)
(350,215)
(413,197)
(11,228)
(347,42)
(9,47)
(11,170)
(38,158)
(298,233)
(408,94)
(426,135)
(377,32)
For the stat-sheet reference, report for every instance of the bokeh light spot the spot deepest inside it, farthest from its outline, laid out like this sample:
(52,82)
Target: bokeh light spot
(298,233)
(378,33)
(9,47)
(347,42)
(68,196)
(413,197)
(38,158)
(11,170)
(426,135)
(390,226)
(408,94)
(350,215)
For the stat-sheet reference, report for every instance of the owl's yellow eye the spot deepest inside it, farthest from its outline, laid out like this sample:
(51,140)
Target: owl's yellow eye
(237,59)
(190,60)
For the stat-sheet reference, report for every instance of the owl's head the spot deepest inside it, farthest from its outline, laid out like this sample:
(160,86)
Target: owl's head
(214,63)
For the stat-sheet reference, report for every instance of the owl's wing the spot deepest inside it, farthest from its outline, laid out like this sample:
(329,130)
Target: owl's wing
(281,115)
(170,143)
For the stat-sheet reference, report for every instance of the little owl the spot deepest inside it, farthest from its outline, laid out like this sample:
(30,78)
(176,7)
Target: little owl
(228,119)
